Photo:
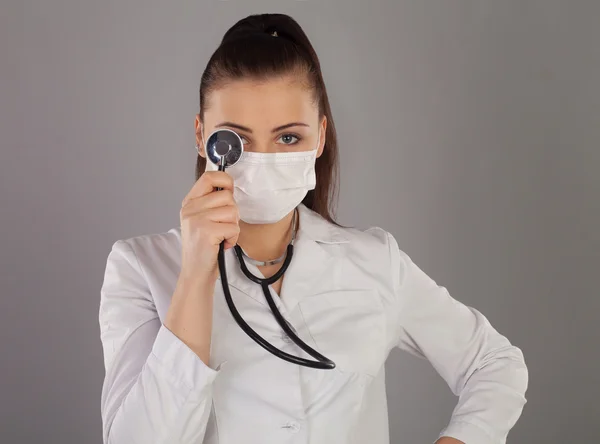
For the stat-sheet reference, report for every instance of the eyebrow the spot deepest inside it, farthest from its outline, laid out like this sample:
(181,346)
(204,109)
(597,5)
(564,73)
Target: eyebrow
(274,130)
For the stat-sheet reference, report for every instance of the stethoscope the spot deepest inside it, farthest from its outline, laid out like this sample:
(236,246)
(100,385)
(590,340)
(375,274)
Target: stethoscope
(224,148)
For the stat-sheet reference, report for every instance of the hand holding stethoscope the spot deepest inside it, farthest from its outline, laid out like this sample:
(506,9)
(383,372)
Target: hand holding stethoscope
(218,229)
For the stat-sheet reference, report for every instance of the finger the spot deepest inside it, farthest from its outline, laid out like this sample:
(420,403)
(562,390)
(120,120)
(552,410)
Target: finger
(208,182)
(226,214)
(228,232)
(211,200)
(231,242)
(223,214)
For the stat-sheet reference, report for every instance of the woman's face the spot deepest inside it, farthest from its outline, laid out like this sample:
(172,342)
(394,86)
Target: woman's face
(272,116)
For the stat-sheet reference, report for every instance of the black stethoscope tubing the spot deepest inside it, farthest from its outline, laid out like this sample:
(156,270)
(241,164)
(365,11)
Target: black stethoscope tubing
(321,362)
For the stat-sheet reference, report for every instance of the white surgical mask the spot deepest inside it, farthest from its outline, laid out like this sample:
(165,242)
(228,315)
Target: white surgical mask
(267,186)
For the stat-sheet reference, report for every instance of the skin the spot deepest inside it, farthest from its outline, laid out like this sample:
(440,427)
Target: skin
(209,217)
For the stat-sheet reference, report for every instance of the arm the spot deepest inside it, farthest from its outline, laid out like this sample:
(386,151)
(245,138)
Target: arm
(479,365)
(156,388)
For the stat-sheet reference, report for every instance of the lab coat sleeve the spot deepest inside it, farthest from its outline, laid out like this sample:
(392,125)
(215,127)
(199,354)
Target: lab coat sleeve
(480,365)
(156,389)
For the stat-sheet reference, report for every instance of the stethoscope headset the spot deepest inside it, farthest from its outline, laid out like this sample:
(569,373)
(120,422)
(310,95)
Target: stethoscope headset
(224,148)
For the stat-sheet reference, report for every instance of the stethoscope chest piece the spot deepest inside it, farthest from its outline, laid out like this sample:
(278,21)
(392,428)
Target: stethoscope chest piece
(224,143)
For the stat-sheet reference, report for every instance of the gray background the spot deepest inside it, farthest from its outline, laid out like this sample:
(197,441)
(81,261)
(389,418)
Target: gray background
(487,115)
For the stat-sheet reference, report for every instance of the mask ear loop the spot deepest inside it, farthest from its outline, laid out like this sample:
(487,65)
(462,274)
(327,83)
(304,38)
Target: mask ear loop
(318,139)
(201,138)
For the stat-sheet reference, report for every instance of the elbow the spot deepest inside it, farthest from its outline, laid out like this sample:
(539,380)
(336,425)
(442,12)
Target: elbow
(518,368)
(506,365)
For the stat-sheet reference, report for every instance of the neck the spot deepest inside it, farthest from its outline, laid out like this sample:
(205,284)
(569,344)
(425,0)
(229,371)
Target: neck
(264,242)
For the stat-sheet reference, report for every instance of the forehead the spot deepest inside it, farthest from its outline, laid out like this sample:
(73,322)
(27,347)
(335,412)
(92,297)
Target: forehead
(261,104)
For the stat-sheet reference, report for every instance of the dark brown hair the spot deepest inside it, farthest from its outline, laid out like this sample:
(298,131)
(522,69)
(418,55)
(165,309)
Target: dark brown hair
(250,50)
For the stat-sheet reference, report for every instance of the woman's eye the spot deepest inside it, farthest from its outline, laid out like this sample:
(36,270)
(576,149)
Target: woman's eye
(286,138)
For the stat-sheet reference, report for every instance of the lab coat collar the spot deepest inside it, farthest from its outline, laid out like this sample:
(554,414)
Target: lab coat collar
(318,228)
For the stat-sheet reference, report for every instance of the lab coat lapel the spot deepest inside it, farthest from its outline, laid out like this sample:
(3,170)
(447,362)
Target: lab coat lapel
(237,280)
(313,262)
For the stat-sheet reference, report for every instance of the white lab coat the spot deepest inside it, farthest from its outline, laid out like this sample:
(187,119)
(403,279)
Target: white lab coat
(352,295)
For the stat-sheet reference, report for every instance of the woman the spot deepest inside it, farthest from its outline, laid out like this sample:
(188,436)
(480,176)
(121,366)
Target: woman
(178,367)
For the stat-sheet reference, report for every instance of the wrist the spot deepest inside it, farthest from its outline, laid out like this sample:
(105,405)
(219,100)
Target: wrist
(195,280)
